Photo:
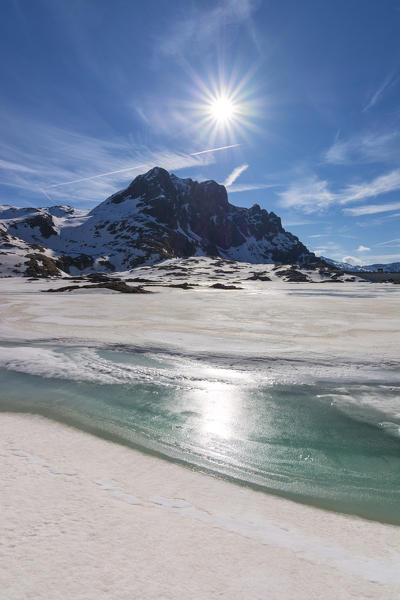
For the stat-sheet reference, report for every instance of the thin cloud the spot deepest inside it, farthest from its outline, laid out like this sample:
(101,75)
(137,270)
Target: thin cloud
(370,260)
(377,221)
(377,96)
(249,187)
(165,159)
(371,209)
(363,248)
(380,185)
(133,168)
(10,166)
(198,28)
(310,194)
(391,243)
(296,223)
(235,174)
(314,195)
(181,162)
(380,259)
(368,147)
(71,168)
(384,258)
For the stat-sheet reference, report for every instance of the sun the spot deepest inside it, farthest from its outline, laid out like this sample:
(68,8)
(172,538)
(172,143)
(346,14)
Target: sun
(222,109)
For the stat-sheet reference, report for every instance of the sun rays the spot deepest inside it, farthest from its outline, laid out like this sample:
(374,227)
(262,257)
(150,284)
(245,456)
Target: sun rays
(224,108)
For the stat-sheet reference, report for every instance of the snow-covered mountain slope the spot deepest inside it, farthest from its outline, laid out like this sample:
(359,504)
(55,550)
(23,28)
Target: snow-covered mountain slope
(212,272)
(158,216)
(386,268)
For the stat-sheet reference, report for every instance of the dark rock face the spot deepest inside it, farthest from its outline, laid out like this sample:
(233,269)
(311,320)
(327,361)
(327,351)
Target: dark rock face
(188,218)
(80,262)
(158,216)
(45,224)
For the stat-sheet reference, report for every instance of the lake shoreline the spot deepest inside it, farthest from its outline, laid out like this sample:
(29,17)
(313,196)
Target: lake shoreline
(86,486)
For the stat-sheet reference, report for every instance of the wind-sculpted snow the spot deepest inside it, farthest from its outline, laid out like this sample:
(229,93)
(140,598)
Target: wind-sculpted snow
(90,365)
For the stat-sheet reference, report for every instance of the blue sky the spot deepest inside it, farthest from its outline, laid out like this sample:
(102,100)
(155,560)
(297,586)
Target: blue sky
(94,92)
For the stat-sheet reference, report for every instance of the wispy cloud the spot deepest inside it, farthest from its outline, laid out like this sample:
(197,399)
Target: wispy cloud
(371,259)
(380,185)
(310,194)
(199,28)
(378,220)
(327,247)
(71,167)
(177,161)
(6,165)
(391,243)
(378,94)
(249,187)
(371,209)
(314,195)
(363,248)
(296,223)
(235,174)
(367,147)
(383,258)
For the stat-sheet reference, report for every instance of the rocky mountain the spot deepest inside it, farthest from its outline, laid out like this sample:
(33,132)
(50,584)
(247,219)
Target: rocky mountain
(157,217)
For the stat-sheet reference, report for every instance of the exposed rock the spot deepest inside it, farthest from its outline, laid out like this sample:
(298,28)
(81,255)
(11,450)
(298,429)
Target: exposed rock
(101,278)
(221,286)
(259,277)
(39,265)
(292,275)
(80,262)
(158,216)
(45,224)
(183,286)
(117,286)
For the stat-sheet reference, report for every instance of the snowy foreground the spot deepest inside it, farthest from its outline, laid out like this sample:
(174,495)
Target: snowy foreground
(85,518)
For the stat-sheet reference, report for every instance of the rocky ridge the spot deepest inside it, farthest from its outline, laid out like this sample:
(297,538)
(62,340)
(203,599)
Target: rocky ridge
(158,216)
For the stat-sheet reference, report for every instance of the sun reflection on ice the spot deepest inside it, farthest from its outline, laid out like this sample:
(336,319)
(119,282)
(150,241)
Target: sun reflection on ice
(221,405)
(219,399)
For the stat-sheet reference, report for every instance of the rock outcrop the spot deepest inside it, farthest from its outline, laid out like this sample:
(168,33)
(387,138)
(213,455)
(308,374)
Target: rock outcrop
(158,216)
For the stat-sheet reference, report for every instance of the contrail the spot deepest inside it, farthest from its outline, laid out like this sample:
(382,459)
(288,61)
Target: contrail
(95,176)
(46,194)
(215,149)
(55,185)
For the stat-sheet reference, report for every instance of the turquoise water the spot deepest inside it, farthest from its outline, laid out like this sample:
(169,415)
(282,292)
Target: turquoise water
(299,430)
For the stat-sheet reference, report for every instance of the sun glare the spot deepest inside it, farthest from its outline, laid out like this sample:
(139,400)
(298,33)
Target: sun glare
(222,109)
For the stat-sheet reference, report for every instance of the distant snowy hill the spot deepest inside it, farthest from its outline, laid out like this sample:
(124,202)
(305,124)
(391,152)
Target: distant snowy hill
(387,268)
(157,217)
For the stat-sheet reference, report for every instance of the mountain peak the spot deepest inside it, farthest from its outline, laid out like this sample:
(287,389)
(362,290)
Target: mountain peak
(155,173)
(158,216)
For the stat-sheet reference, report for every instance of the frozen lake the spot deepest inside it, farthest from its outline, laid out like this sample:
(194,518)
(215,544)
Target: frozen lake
(294,389)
